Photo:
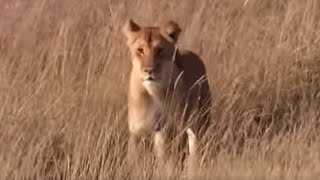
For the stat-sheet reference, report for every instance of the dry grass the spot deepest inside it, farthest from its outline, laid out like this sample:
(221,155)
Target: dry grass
(64,72)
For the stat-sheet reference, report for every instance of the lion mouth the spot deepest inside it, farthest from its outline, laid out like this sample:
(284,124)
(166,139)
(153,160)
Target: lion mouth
(151,78)
(153,87)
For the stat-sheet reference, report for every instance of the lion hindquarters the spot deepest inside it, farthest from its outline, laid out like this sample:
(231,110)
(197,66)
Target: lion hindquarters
(193,160)
(192,141)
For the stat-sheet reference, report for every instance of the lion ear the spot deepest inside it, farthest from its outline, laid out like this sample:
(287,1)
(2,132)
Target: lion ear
(172,30)
(130,27)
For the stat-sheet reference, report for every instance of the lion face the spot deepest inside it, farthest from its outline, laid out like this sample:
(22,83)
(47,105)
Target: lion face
(152,50)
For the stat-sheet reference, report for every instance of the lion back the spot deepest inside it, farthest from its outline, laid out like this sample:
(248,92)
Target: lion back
(196,87)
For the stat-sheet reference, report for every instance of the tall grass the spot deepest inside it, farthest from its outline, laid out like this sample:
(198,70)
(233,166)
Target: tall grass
(64,70)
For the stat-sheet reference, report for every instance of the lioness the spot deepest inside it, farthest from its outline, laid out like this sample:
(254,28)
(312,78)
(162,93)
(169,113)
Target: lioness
(165,82)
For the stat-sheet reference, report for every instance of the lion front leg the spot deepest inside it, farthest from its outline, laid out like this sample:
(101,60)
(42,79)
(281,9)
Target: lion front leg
(163,164)
(159,143)
(132,154)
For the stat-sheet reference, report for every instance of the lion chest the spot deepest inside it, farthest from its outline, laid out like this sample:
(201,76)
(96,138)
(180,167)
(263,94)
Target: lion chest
(143,118)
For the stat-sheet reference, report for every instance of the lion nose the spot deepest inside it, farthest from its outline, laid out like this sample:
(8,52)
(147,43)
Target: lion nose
(149,70)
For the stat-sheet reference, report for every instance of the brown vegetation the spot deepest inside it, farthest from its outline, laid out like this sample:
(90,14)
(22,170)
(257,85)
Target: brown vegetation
(63,83)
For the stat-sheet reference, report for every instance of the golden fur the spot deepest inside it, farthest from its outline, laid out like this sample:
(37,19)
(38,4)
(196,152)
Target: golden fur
(162,75)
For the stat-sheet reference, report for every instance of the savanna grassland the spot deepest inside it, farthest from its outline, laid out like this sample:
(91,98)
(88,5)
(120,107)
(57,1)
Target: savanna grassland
(64,71)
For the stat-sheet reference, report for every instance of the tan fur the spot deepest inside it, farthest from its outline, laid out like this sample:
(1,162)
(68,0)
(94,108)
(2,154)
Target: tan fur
(162,74)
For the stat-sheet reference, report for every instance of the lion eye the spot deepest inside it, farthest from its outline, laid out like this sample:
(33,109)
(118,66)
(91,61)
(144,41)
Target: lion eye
(140,50)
